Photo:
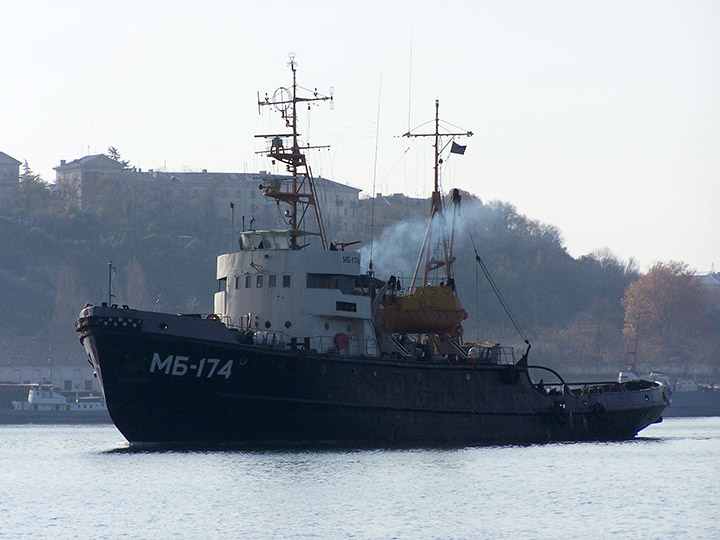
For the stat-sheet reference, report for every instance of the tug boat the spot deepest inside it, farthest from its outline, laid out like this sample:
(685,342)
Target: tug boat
(305,349)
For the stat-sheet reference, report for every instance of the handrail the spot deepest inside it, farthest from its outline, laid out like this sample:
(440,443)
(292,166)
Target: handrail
(562,381)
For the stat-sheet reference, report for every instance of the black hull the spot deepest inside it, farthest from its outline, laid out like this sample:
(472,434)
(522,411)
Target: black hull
(175,379)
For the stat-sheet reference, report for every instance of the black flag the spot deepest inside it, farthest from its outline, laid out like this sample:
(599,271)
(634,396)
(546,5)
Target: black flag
(457,148)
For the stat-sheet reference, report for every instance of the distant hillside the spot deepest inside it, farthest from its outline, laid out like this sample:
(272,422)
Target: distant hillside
(54,259)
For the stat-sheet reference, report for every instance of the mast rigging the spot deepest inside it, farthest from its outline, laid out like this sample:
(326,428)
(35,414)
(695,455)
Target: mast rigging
(436,210)
(303,193)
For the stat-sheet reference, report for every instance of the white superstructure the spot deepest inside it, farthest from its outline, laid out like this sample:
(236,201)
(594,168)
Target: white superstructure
(308,296)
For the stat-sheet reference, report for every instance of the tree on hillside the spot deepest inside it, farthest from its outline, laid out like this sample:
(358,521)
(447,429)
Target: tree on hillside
(31,181)
(114,153)
(33,195)
(666,315)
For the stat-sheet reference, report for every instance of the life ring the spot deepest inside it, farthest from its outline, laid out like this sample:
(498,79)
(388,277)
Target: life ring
(341,341)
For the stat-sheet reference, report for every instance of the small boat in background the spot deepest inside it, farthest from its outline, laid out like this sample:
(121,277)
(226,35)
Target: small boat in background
(45,405)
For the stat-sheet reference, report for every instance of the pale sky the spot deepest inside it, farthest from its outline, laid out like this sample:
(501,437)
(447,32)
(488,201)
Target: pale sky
(601,118)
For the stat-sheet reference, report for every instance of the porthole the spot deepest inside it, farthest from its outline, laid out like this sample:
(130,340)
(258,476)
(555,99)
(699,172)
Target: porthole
(242,361)
(323,369)
(288,324)
(327,326)
(419,377)
(375,373)
(267,324)
(468,376)
(349,328)
(163,326)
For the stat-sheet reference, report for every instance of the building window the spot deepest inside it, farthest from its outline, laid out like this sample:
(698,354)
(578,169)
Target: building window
(272,280)
(67,385)
(259,282)
(286,280)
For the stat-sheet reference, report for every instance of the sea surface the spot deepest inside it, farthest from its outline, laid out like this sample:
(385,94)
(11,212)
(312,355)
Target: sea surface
(60,482)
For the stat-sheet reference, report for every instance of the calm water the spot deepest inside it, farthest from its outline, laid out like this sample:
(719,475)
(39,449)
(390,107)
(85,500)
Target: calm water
(61,482)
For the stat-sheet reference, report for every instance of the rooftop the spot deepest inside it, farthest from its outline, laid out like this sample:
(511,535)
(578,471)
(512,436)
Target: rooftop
(8,160)
(95,160)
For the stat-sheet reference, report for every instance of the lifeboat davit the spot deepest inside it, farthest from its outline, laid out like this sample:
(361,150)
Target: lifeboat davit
(434,309)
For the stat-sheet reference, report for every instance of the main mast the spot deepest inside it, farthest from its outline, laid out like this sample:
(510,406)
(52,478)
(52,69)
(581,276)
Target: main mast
(436,211)
(285,147)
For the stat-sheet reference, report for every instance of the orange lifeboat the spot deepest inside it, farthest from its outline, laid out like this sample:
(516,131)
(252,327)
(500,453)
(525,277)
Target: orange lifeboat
(433,309)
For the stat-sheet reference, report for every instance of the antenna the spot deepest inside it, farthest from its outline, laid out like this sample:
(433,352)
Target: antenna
(232,227)
(111,271)
(410,76)
(372,206)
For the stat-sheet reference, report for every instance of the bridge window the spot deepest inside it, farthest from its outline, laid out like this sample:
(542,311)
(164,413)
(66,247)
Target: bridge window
(259,281)
(272,280)
(286,280)
(346,306)
(248,281)
(345,284)
(222,284)
(320,281)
